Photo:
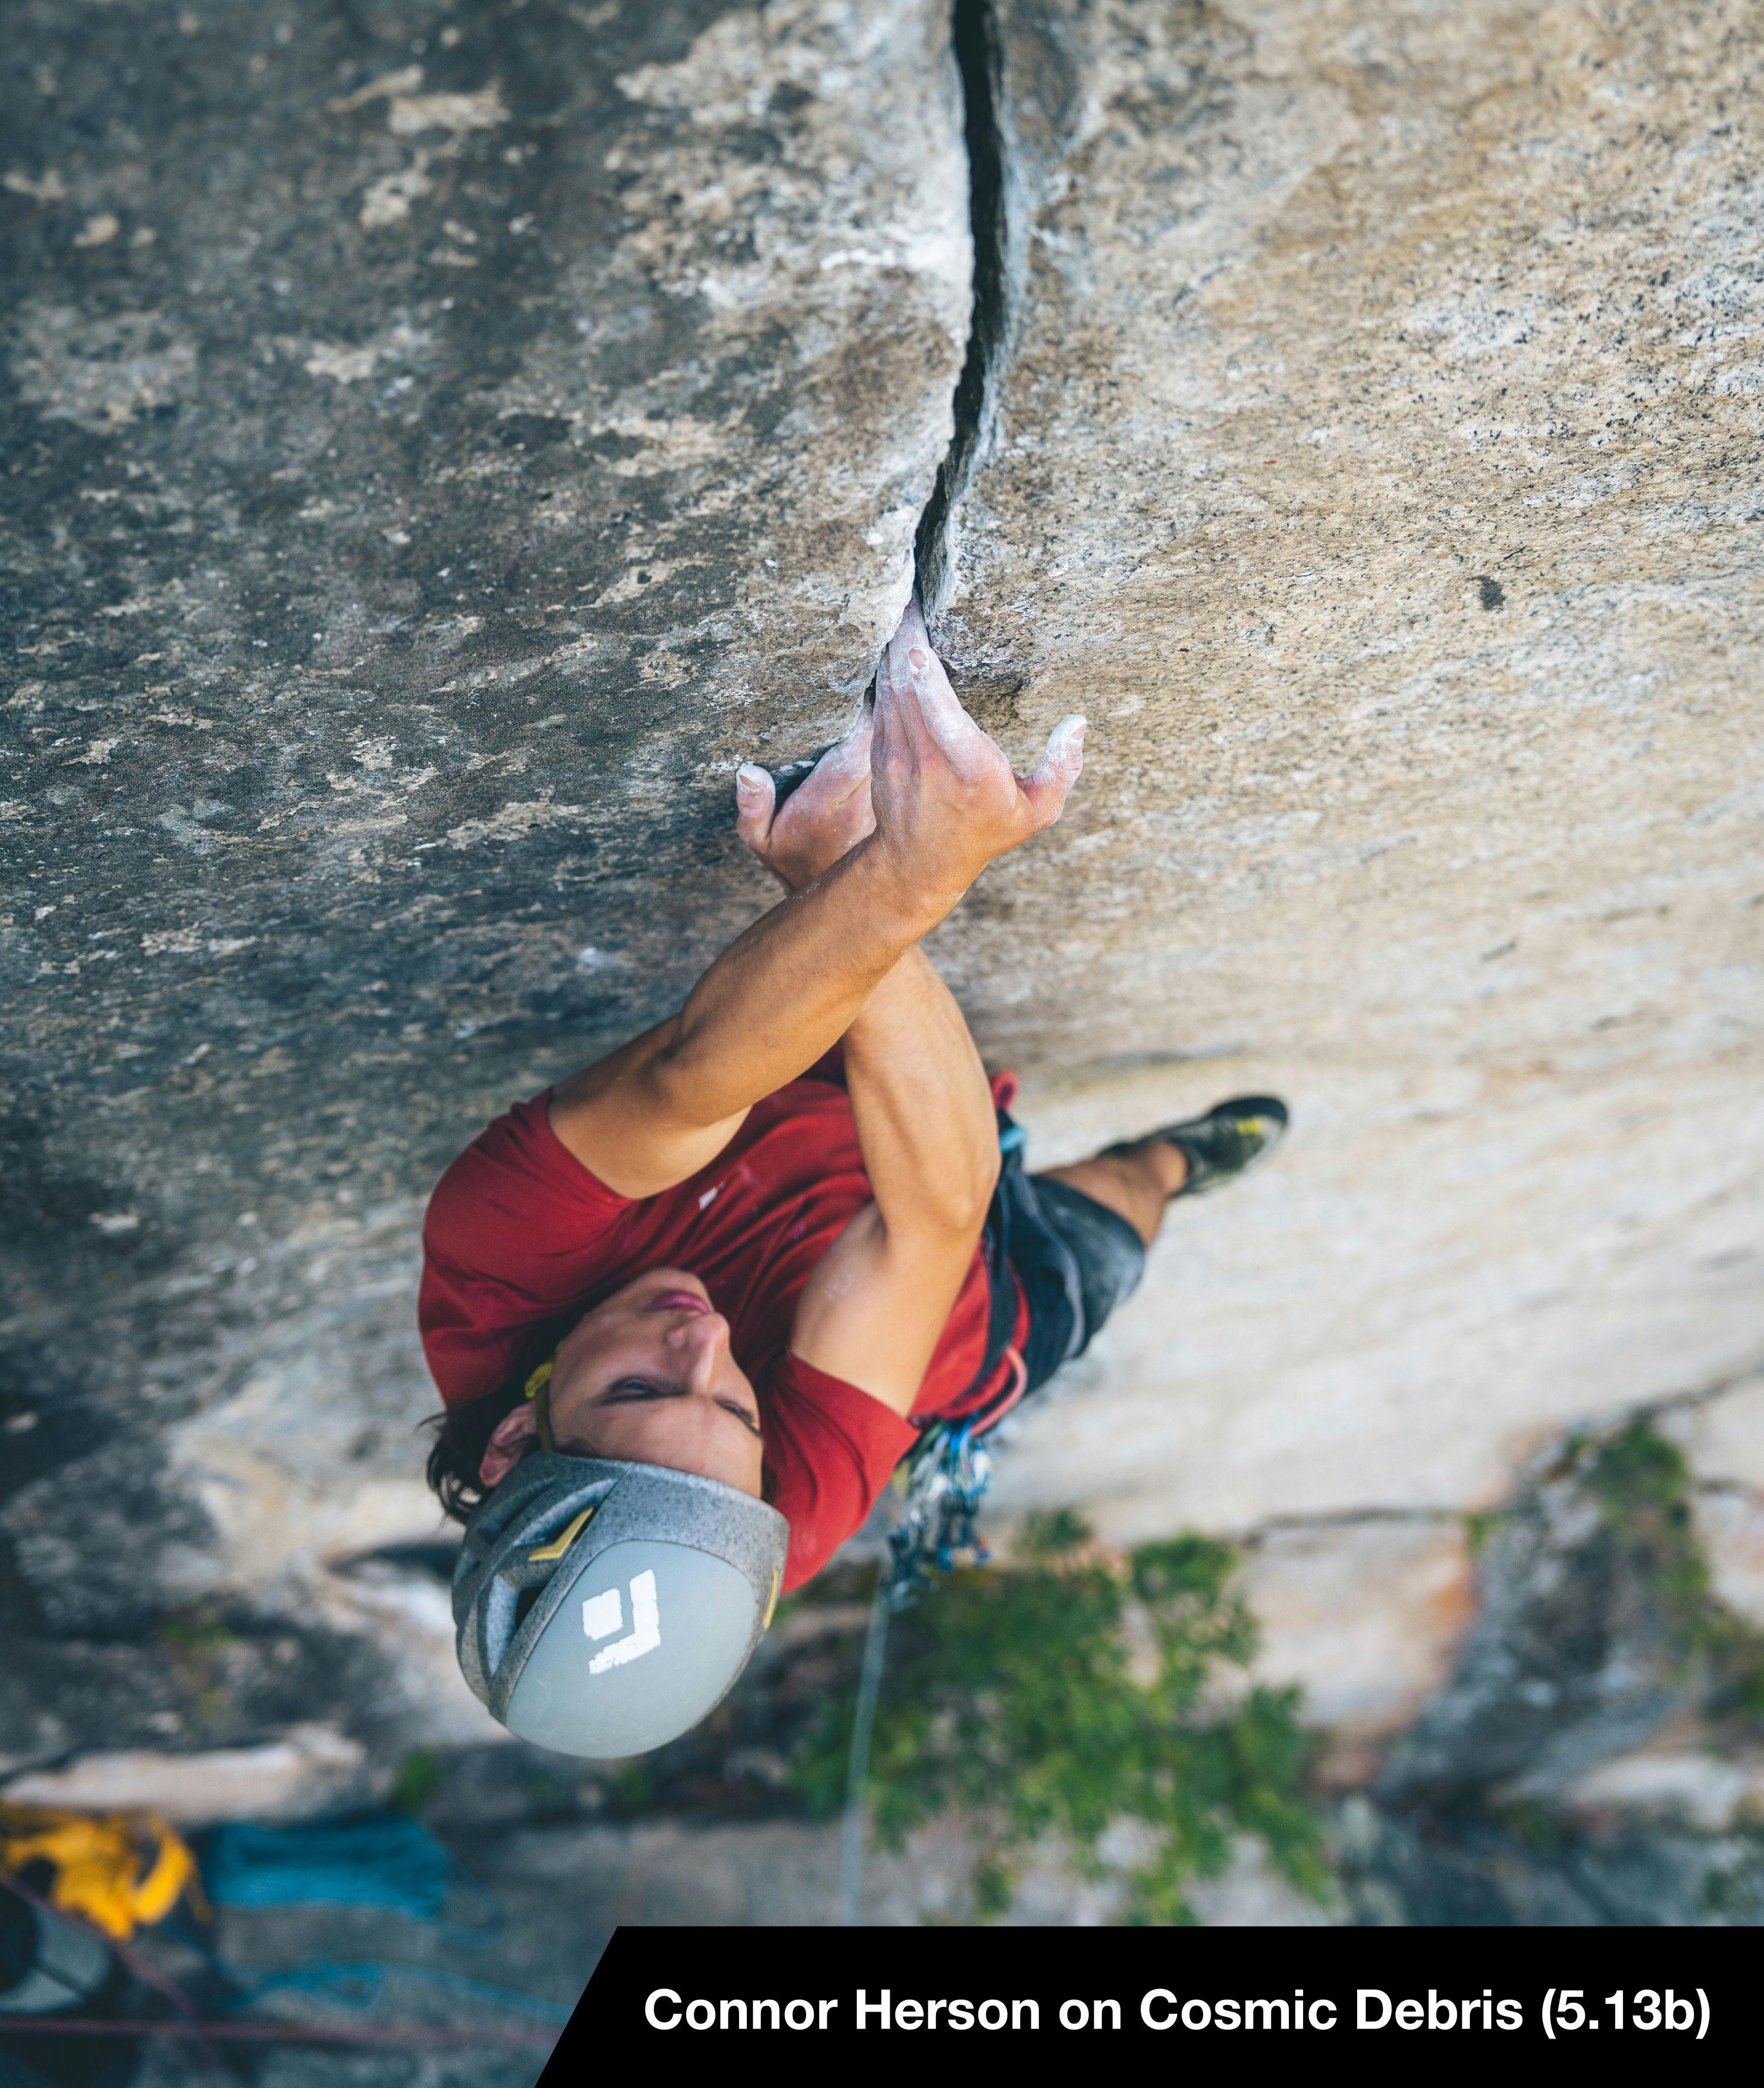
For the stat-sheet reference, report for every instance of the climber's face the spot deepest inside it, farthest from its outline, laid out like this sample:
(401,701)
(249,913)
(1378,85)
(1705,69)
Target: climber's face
(647,1376)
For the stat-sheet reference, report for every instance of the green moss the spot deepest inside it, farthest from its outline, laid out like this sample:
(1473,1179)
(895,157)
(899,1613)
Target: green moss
(196,1641)
(549,1796)
(1533,1825)
(993,1886)
(1733,1897)
(194,1631)
(1481,1525)
(1013,1702)
(1643,1487)
(633,1791)
(1047,1535)
(418,1780)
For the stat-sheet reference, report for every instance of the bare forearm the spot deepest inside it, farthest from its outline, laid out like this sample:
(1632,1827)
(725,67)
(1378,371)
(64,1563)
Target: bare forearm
(780,995)
(784,992)
(923,1108)
(874,1309)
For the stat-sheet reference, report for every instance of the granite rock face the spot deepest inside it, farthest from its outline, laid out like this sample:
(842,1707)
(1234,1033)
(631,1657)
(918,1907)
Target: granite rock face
(1373,450)
(443,440)
(1593,1757)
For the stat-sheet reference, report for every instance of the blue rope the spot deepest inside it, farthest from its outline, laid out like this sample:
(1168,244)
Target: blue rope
(389,1861)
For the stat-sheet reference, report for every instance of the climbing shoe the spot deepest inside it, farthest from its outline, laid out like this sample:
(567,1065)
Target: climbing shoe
(1232,1136)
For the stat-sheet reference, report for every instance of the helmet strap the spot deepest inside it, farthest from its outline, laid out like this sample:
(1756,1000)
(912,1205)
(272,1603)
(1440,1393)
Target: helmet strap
(539,1393)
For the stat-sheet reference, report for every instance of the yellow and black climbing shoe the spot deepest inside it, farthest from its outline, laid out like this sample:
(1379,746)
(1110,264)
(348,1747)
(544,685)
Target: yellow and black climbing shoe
(1232,1136)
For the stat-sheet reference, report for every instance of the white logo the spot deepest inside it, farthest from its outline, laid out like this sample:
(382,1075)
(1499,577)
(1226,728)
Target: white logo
(603,1615)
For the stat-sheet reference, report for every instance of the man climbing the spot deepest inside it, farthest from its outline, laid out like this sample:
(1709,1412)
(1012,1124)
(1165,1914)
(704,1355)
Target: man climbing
(689,1309)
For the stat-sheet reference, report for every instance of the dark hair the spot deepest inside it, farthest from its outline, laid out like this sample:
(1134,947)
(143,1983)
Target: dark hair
(462,1435)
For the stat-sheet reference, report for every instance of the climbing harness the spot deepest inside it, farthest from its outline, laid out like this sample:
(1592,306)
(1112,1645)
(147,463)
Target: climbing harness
(944,1478)
(941,1484)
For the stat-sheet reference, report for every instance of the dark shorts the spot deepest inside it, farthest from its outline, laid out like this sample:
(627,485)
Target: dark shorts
(1076,1261)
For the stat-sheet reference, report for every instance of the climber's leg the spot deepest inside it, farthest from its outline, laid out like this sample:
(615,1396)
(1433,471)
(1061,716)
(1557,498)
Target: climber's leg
(1137,1179)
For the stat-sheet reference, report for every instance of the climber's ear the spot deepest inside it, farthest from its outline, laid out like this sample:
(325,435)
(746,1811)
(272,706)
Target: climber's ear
(515,1435)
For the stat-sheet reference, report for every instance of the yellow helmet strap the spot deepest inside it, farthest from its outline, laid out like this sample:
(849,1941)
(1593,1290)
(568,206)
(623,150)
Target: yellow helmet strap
(539,1393)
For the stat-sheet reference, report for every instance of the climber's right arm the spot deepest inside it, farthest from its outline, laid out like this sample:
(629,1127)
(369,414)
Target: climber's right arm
(780,997)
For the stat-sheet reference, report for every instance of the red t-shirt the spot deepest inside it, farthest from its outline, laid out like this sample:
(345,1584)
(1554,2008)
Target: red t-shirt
(521,1240)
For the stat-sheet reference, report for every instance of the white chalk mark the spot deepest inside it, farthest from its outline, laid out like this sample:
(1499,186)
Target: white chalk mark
(47,187)
(406,115)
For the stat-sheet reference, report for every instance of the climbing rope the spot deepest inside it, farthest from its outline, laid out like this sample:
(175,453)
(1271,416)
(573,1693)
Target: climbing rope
(390,1860)
(876,1642)
(940,1485)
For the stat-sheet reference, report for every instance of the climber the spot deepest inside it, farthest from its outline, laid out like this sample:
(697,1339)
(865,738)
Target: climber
(690,1308)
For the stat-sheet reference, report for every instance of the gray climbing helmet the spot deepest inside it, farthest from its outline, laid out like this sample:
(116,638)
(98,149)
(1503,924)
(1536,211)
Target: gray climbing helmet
(603,1608)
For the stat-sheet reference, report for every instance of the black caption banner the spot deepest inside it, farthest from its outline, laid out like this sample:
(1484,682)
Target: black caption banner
(1492,1991)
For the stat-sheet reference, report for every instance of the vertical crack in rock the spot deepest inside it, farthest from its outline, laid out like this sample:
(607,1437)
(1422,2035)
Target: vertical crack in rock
(979,55)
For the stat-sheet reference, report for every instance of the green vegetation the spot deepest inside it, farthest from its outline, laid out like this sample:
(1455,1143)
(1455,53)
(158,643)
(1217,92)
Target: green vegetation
(196,1642)
(1069,1694)
(1732,1896)
(633,1791)
(549,1796)
(417,1781)
(1642,1486)
(199,1630)
(1542,1831)
(1481,1525)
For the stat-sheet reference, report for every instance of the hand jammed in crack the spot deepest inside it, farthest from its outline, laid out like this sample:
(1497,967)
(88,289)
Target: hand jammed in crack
(917,771)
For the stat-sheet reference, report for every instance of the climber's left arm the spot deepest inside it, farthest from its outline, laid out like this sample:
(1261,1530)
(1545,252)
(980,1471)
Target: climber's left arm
(876,1307)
